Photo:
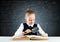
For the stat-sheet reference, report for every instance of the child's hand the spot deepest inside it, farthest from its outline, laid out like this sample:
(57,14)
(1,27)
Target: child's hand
(45,35)
(28,31)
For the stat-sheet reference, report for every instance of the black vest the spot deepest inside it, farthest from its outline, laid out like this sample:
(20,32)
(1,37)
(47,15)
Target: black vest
(29,27)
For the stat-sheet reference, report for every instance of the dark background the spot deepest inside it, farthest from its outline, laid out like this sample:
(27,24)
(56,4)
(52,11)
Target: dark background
(12,15)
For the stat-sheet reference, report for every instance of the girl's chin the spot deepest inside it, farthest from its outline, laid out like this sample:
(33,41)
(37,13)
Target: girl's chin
(31,23)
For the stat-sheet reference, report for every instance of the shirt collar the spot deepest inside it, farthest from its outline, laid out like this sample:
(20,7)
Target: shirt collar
(30,25)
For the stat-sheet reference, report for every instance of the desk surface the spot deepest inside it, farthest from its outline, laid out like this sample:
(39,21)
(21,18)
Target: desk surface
(8,39)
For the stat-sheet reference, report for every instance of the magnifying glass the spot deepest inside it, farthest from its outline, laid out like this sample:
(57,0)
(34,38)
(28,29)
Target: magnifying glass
(34,30)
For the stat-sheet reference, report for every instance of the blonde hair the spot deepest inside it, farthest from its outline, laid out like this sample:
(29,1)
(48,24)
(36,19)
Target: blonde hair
(30,11)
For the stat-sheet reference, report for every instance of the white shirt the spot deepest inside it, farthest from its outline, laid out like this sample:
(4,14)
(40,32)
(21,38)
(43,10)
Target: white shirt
(20,30)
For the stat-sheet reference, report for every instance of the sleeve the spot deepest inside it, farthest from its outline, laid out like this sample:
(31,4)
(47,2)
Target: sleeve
(40,29)
(18,33)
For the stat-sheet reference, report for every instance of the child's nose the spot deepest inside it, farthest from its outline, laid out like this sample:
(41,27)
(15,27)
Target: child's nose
(30,20)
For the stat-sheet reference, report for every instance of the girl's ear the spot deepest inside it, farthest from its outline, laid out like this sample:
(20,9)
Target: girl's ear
(25,17)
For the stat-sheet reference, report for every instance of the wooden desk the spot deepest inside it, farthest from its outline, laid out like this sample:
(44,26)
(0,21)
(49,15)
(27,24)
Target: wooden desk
(8,39)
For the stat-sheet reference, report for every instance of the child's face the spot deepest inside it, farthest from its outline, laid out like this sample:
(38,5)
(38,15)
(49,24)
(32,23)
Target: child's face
(30,18)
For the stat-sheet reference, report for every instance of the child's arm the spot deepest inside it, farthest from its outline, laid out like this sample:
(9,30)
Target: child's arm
(41,31)
(19,31)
